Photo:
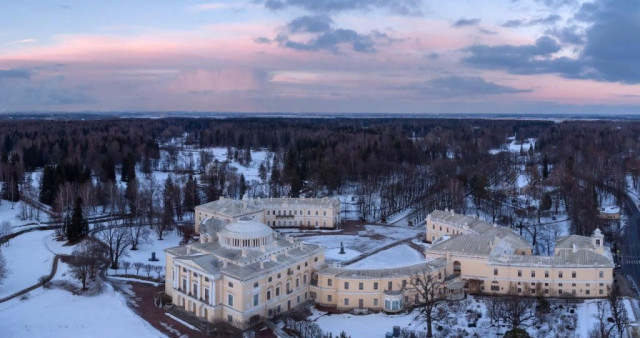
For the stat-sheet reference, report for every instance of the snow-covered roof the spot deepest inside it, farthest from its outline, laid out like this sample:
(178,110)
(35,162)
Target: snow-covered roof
(574,241)
(229,207)
(564,258)
(314,202)
(243,264)
(611,209)
(246,228)
(372,273)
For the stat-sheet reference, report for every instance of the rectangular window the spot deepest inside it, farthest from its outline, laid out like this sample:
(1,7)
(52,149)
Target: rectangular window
(230,318)
(533,273)
(495,272)
(328,298)
(519,273)
(546,274)
(329,282)
(346,285)
(600,291)
(375,301)
(346,301)
(587,291)
(230,299)
(495,288)
(560,274)
(361,286)
(559,291)
(375,285)
(573,274)
(206,295)
(230,284)
(519,290)
(390,286)
(601,274)
(256,298)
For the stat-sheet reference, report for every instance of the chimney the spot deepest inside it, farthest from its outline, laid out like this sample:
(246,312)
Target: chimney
(244,252)
(261,265)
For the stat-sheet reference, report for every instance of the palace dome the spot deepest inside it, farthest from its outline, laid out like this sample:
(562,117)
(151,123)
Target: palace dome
(245,233)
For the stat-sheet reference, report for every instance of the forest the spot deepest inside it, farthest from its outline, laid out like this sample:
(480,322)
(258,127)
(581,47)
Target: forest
(384,165)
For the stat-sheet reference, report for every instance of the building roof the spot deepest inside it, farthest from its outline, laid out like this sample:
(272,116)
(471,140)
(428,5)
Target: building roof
(407,270)
(243,263)
(314,202)
(564,258)
(462,221)
(229,207)
(246,228)
(571,241)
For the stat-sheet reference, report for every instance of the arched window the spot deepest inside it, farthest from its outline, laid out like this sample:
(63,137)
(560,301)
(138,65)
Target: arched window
(457,268)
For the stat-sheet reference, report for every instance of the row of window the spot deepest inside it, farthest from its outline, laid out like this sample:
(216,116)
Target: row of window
(361,285)
(292,213)
(574,274)
(293,223)
(392,305)
(453,232)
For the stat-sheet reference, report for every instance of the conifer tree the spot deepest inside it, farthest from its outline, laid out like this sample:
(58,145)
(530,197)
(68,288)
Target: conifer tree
(78,225)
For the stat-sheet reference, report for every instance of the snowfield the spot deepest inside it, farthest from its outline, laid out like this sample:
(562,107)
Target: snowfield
(58,313)
(28,258)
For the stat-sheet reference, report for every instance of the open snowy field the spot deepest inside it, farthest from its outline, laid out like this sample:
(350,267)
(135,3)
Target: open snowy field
(142,255)
(28,258)
(59,313)
(396,256)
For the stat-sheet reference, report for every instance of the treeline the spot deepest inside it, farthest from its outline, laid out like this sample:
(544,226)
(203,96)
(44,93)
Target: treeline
(387,165)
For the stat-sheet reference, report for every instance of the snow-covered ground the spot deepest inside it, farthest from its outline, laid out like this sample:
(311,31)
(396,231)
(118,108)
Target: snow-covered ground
(514,146)
(10,212)
(59,313)
(396,256)
(377,324)
(28,258)
(170,239)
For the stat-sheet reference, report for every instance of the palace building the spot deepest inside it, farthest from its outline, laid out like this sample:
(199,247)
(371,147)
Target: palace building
(495,260)
(275,212)
(242,271)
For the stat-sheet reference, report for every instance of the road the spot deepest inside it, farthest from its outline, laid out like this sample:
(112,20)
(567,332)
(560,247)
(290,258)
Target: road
(630,243)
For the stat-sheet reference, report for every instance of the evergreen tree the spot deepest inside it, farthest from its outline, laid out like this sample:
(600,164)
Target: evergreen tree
(109,169)
(78,225)
(48,185)
(243,186)
(191,199)
(545,167)
(262,172)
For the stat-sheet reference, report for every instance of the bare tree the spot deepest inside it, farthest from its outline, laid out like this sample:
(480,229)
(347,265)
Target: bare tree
(117,239)
(158,269)
(516,311)
(602,328)
(85,260)
(126,265)
(3,267)
(5,230)
(137,266)
(618,310)
(147,268)
(428,286)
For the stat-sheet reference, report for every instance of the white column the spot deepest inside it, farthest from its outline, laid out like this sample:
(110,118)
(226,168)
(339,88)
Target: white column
(175,275)
(188,281)
(212,293)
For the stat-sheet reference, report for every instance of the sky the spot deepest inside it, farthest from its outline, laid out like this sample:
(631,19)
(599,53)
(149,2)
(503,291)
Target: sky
(333,56)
